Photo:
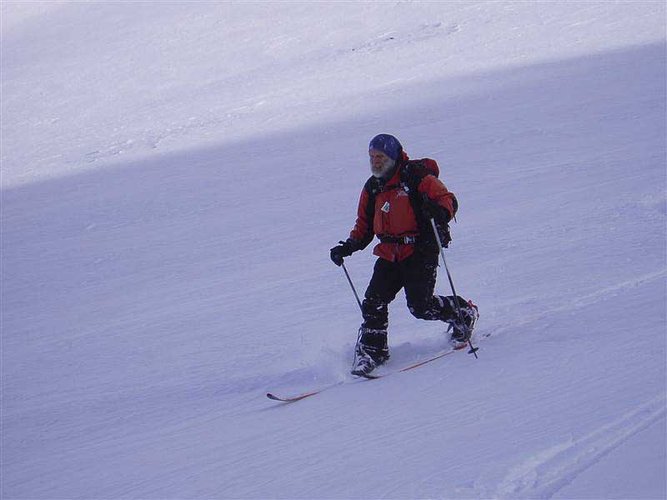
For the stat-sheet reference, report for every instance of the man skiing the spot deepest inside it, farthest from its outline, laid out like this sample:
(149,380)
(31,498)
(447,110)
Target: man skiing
(396,205)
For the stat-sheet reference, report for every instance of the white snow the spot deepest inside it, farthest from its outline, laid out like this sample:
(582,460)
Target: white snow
(174,173)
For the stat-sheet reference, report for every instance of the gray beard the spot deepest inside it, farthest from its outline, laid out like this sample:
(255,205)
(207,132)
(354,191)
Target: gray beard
(387,167)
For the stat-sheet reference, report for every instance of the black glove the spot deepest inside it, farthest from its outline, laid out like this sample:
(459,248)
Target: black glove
(443,233)
(344,249)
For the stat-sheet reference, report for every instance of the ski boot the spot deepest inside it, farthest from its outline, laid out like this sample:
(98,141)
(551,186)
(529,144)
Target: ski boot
(462,331)
(371,351)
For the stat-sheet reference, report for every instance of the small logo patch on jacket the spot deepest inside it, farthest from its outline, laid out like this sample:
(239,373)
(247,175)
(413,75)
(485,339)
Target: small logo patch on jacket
(385,207)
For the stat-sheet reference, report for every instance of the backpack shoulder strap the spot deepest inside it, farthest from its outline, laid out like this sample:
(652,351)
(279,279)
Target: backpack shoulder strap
(373,186)
(412,174)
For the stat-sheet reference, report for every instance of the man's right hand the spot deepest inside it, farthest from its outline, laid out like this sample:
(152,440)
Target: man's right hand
(344,249)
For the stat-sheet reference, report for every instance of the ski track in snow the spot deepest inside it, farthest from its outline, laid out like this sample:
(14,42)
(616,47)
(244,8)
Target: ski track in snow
(545,473)
(585,300)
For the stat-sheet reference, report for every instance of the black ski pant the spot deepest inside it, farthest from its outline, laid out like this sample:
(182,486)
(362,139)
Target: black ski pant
(417,275)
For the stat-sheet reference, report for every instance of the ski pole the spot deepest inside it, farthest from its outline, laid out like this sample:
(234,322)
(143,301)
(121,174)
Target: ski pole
(354,290)
(356,295)
(473,350)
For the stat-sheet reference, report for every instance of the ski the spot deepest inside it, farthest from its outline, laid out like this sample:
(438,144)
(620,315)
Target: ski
(423,362)
(370,376)
(441,354)
(299,397)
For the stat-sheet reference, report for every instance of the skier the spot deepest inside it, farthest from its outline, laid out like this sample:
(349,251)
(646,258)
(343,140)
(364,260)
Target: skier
(396,204)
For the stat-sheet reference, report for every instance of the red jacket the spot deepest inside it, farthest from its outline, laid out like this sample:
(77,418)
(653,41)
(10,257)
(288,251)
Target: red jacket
(392,215)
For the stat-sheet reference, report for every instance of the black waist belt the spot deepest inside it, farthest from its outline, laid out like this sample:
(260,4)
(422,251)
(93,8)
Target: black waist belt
(401,240)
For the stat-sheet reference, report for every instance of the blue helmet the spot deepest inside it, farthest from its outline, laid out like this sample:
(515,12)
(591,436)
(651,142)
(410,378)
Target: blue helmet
(388,144)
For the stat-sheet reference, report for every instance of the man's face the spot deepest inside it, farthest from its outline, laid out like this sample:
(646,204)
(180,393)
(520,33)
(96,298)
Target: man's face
(381,164)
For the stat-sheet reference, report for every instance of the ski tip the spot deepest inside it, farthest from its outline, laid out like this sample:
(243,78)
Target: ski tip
(291,399)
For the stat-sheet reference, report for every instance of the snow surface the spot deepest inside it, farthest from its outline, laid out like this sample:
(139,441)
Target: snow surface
(173,175)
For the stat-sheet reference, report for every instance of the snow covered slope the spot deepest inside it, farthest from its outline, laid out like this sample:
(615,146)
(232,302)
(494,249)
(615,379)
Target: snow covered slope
(174,174)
